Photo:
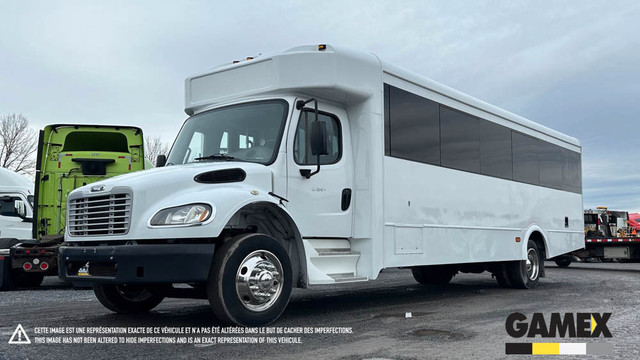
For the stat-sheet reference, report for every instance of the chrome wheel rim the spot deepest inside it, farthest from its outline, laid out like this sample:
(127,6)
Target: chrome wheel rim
(533,265)
(259,280)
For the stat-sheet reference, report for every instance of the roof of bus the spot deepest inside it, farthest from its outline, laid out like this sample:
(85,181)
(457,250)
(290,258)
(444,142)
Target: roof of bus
(356,60)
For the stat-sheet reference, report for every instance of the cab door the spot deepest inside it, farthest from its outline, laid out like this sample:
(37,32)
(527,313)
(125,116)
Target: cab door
(322,204)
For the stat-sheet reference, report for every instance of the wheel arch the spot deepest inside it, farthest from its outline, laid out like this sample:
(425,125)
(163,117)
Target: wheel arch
(536,235)
(273,220)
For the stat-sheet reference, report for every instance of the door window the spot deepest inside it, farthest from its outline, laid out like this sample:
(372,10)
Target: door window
(7,206)
(302,143)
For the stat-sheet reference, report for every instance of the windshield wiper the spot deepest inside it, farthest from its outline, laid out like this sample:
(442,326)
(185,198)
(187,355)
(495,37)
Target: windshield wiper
(224,157)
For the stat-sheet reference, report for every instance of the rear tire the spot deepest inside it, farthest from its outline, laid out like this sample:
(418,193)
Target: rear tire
(502,276)
(563,261)
(526,273)
(126,299)
(433,275)
(250,280)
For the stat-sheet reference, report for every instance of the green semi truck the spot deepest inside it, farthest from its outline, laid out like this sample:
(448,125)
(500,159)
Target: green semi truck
(69,156)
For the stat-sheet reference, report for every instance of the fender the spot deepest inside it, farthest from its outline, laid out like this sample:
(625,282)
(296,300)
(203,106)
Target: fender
(530,230)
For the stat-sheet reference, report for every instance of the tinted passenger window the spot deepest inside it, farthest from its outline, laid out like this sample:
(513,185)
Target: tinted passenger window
(414,131)
(550,156)
(526,166)
(571,171)
(302,144)
(495,150)
(459,134)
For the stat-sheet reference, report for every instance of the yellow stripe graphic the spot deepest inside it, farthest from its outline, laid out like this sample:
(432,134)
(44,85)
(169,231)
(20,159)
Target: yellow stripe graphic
(593,324)
(545,349)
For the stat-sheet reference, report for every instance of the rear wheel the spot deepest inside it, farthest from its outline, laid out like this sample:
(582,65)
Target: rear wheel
(434,275)
(127,299)
(250,280)
(526,273)
(563,261)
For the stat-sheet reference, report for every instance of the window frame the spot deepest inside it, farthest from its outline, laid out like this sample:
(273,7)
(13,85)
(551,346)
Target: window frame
(281,131)
(340,139)
(571,161)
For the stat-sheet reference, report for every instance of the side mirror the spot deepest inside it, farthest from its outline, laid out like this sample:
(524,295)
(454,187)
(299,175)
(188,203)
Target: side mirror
(318,138)
(161,160)
(21,208)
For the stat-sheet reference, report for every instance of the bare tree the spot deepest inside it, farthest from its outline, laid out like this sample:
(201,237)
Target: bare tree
(154,147)
(17,144)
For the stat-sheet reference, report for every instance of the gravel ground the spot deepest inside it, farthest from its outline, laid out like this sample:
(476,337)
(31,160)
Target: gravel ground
(465,320)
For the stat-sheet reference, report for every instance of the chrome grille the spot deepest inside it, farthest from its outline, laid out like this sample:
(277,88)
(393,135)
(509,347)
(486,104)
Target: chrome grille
(99,215)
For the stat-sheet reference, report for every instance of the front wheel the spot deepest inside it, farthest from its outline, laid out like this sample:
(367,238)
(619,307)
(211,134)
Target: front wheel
(126,299)
(250,280)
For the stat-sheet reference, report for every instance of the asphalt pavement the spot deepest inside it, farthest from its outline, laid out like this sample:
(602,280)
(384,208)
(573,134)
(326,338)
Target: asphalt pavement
(390,318)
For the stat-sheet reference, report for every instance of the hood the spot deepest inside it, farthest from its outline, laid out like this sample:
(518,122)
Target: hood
(176,177)
(160,188)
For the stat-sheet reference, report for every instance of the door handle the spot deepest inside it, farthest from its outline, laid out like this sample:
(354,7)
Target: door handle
(346,199)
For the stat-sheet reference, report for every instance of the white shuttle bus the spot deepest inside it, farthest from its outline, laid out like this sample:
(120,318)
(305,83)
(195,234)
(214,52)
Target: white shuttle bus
(323,165)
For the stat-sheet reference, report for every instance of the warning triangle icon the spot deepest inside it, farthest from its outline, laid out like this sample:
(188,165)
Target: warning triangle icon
(19,336)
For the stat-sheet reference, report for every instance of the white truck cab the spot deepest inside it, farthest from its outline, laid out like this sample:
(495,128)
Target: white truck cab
(16,205)
(323,165)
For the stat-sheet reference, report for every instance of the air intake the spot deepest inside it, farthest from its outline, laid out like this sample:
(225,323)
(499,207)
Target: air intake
(221,176)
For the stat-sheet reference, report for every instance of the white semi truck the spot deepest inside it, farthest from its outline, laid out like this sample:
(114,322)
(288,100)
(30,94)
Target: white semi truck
(323,165)
(16,199)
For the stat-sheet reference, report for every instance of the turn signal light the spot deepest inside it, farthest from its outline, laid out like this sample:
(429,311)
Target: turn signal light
(27,266)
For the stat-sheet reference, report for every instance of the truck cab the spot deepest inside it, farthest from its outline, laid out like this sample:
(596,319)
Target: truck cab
(68,157)
(16,205)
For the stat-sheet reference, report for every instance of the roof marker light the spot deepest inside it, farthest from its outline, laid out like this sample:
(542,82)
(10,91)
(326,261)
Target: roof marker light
(322,47)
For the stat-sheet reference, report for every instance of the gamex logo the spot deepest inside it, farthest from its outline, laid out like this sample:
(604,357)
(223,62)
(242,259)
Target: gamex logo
(567,325)
(578,325)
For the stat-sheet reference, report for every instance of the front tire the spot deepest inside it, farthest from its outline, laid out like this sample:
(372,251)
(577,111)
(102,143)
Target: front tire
(126,299)
(250,280)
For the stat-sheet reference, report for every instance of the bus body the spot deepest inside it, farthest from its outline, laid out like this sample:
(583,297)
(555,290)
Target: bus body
(322,165)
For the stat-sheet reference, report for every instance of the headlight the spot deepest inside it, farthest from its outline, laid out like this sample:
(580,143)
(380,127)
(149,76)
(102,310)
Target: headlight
(191,214)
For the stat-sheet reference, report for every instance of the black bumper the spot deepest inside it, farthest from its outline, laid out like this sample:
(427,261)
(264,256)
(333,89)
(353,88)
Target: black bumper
(136,264)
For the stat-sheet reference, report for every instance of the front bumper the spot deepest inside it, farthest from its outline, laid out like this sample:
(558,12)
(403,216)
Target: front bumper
(136,264)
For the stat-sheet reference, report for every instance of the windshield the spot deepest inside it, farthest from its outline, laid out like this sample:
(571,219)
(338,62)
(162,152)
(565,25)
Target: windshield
(245,132)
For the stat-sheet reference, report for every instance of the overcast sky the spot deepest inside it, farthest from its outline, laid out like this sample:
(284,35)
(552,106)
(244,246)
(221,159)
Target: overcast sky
(573,66)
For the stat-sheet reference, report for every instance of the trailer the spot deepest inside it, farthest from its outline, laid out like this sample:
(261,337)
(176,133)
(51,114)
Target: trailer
(68,157)
(324,165)
(609,236)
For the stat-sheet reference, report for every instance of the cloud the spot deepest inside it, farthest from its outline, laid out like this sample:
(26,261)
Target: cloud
(571,66)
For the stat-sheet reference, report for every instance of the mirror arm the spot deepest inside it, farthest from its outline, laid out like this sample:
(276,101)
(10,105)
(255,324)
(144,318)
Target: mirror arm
(300,105)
